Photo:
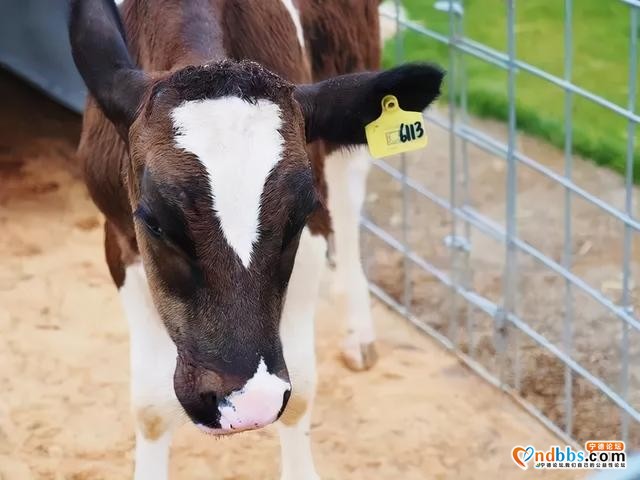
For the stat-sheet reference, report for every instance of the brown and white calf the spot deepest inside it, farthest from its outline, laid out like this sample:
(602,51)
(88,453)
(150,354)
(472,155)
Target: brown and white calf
(204,141)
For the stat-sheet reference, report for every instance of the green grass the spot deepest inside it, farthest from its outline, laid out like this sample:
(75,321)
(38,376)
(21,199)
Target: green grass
(601,32)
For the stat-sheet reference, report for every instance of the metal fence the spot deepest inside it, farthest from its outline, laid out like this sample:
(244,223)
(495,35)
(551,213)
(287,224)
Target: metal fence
(465,221)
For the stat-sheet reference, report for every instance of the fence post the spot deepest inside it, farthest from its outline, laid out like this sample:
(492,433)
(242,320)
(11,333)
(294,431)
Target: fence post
(510,270)
(458,246)
(628,205)
(567,257)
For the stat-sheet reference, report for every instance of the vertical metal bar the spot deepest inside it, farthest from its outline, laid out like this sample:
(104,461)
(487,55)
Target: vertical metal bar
(453,195)
(567,260)
(628,205)
(407,296)
(466,246)
(510,273)
(399,38)
(406,279)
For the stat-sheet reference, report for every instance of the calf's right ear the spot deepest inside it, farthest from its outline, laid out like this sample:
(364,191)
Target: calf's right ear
(338,109)
(102,58)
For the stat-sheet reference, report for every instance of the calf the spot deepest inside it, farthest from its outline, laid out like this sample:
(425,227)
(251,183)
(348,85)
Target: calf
(203,140)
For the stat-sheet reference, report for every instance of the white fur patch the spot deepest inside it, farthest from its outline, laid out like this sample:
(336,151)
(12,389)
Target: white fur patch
(346,172)
(255,405)
(297,334)
(295,16)
(153,353)
(238,143)
(298,313)
(153,362)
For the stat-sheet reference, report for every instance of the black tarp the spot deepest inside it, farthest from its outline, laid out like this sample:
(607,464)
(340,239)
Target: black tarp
(34,45)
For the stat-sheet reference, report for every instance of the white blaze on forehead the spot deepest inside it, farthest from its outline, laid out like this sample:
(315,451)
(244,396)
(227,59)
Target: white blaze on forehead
(295,16)
(256,404)
(238,143)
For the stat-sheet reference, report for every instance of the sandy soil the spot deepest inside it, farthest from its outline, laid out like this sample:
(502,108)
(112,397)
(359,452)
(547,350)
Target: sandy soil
(64,369)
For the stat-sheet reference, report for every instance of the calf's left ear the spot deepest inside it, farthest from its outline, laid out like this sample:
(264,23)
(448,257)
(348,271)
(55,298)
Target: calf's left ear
(338,109)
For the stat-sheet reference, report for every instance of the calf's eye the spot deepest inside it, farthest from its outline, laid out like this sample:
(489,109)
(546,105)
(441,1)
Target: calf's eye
(154,229)
(149,222)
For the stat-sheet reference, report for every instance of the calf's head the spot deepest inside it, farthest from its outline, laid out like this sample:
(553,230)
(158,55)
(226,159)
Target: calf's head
(220,188)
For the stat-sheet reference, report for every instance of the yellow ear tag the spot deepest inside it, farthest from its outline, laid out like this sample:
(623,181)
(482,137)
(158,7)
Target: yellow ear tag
(395,130)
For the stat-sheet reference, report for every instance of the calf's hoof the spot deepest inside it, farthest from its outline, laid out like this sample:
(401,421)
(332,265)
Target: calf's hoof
(359,356)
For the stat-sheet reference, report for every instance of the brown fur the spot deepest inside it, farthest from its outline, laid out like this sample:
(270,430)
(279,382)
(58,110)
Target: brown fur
(113,254)
(340,37)
(222,311)
(221,316)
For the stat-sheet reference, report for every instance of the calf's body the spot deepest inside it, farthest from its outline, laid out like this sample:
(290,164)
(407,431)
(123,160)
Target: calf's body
(209,166)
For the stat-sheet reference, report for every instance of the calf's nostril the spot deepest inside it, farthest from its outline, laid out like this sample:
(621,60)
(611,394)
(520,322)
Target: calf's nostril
(285,400)
(209,398)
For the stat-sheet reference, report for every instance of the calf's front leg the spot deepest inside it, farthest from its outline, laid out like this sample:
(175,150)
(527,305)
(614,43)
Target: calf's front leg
(297,335)
(346,172)
(153,359)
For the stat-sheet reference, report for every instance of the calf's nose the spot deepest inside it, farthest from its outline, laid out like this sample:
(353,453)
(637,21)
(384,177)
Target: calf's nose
(256,404)
(222,402)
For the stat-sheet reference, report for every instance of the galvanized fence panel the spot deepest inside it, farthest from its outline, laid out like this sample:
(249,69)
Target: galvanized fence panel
(511,326)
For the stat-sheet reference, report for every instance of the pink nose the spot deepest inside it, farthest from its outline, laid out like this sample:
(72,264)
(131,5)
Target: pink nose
(255,405)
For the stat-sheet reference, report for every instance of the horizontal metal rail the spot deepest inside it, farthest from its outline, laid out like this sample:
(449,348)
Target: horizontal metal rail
(495,231)
(493,310)
(496,147)
(474,365)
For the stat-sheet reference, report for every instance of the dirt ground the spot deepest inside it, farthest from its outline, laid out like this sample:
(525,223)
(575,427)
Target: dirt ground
(64,370)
